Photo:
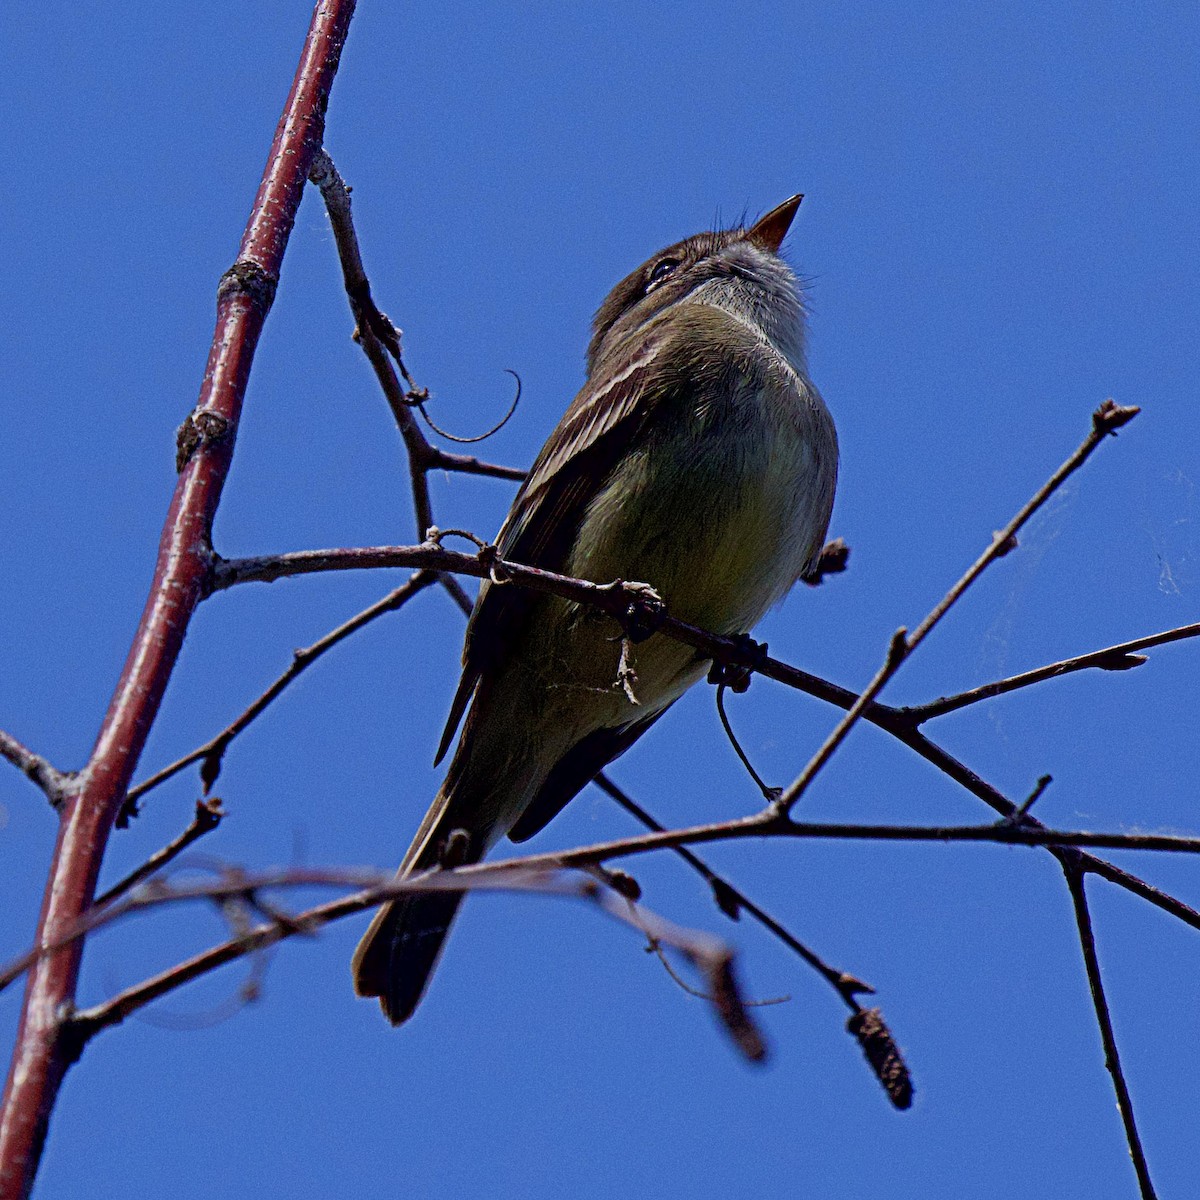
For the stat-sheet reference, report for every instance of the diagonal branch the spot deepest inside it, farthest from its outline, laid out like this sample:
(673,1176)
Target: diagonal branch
(1106,420)
(211,753)
(1121,657)
(1112,1058)
(34,767)
(205,448)
(208,816)
(732,902)
(380,341)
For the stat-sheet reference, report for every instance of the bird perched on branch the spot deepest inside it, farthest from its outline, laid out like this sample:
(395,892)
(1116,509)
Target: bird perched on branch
(697,458)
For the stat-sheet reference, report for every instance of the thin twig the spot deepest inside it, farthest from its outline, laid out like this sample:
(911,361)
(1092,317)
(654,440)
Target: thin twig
(467,464)
(1106,420)
(734,650)
(380,341)
(707,953)
(34,767)
(1112,1058)
(1034,796)
(732,901)
(211,753)
(457,593)
(208,816)
(376,334)
(770,794)
(1121,657)
(420,397)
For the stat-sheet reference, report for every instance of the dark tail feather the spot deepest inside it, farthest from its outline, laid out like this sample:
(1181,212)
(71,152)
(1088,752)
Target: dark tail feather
(399,951)
(397,957)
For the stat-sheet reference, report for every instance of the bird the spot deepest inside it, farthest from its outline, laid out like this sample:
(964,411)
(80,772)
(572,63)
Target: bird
(698,458)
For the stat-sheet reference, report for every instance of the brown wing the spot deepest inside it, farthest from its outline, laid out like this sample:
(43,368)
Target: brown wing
(604,420)
(574,771)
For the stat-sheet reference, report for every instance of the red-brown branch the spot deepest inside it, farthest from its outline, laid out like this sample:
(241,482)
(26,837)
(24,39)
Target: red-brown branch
(90,802)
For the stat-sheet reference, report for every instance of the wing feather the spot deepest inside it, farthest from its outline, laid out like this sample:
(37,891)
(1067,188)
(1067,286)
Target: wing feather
(602,423)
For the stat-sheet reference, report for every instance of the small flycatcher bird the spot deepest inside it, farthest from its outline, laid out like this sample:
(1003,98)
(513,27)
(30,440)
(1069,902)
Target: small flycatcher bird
(697,458)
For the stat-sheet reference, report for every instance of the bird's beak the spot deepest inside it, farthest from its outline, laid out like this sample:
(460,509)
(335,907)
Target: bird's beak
(769,231)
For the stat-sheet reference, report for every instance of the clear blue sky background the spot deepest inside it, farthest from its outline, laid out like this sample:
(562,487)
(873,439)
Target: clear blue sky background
(1000,231)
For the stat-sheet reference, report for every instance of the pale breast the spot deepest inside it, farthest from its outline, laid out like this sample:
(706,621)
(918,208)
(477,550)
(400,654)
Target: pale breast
(726,502)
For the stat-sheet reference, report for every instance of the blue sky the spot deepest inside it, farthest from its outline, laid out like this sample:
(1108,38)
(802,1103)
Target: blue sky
(999,232)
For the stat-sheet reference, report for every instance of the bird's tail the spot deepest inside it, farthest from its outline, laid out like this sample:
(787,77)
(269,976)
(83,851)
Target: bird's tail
(399,951)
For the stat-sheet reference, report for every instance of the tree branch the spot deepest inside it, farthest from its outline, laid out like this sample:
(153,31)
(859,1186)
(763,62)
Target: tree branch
(212,752)
(34,767)
(1121,657)
(732,902)
(208,816)
(1112,1058)
(205,446)
(380,341)
(1106,420)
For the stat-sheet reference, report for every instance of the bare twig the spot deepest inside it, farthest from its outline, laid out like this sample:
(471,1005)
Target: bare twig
(467,464)
(770,794)
(1034,796)
(732,902)
(1121,657)
(710,956)
(457,593)
(211,753)
(379,338)
(34,767)
(1106,420)
(1112,1059)
(208,816)
(735,650)
(380,341)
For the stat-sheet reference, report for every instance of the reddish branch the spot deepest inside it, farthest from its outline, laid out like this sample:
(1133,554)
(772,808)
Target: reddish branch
(91,801)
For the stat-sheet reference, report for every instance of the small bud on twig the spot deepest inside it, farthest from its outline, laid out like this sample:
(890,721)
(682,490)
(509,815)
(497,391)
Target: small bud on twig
(1110,416)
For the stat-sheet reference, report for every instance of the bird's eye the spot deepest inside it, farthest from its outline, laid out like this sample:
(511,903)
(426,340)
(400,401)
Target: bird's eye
(660,272)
